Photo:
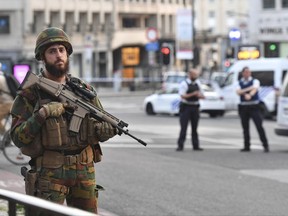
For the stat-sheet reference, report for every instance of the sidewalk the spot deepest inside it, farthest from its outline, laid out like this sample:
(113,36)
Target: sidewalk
(12,182)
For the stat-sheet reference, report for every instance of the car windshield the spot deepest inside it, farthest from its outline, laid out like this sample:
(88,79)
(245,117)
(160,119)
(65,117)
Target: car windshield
(207,87)
(175,79)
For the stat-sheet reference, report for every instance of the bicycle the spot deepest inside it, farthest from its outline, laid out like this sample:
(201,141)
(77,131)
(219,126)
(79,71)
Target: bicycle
(11,152)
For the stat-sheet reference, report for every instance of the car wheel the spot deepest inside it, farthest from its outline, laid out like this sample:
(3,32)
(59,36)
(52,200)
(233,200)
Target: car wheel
(149,109)
(213,114)
(221,113)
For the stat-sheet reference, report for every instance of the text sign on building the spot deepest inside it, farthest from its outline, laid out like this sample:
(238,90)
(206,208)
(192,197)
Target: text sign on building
(184,34)
(248,52)
(130,56)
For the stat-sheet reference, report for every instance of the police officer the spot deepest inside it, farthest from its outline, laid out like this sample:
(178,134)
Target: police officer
(190,92)
(62,162)
(249,107)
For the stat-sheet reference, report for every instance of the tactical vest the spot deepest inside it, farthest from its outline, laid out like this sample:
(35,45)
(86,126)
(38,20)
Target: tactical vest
(54,132)
(243,85)
(191,88)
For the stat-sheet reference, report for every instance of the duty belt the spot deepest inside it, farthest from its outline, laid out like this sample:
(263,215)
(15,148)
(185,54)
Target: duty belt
(54,159)
(191,102)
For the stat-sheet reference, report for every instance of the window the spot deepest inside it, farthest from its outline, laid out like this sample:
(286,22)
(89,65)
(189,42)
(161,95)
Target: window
(130,22)
(4,25)
(284,72)
(266,78)
(211,14)
(38,21)
(95,22)
(229,79)
(83,22)
(69,22)
(285,89)
(268,4)
(284,3)
(55,19)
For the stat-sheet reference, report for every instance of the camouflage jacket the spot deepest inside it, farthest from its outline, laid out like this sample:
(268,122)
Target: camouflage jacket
(26,121)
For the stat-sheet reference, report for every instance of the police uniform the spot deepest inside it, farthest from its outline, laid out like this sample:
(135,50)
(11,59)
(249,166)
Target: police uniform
(189,111)
(251,109)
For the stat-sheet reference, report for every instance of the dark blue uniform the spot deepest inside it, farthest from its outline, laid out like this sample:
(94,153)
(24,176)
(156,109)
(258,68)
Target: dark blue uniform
(189,111)
(251,109)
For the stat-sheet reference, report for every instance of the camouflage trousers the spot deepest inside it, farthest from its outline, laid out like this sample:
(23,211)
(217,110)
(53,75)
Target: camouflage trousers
(74,183)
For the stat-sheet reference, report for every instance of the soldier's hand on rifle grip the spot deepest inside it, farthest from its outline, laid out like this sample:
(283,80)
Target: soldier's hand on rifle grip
(53,109)
(105,131)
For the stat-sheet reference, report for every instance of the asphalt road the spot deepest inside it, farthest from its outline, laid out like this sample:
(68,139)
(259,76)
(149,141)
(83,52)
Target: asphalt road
(157,180)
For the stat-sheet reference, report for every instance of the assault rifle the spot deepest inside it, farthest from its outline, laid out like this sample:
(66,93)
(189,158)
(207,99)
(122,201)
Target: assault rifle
(81,107)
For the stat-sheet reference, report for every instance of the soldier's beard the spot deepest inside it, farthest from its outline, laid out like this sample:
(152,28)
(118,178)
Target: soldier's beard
(57,71)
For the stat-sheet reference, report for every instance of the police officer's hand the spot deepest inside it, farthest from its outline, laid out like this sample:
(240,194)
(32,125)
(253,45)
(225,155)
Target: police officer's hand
(105,131)
(247,97)
(53,109)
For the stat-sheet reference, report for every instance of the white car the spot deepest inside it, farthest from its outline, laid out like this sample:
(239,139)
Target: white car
(167,101)
(172,79)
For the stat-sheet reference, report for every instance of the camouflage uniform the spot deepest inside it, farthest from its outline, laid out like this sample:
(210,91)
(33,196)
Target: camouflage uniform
(65,170)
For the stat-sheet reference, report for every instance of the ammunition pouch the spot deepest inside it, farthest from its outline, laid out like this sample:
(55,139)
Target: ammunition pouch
(97,153)
(54,159)
(34,149)
(30,182)
(56,135)
(45,186)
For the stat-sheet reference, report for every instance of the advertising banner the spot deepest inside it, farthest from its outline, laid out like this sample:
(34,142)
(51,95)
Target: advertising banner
(184,34)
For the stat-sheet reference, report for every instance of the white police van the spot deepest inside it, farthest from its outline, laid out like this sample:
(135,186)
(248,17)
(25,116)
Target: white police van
(282,114)
(269,71)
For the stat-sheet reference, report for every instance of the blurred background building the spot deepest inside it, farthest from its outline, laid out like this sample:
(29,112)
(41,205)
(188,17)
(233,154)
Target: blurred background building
(269,26)
(126,37)
(213,22)
(107,35)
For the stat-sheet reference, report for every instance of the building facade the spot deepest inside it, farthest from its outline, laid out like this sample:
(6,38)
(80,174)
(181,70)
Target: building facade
(214,19)
(269,26)
(107,35)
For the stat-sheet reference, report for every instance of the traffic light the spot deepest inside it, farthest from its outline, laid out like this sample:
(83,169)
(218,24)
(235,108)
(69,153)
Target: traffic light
(230,52)
(196,56)
(272,49)
(166,55)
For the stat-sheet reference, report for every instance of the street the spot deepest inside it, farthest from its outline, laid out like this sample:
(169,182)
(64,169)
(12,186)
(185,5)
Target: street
(157,180)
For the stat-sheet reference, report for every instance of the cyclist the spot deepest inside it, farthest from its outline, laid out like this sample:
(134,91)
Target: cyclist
(6,100)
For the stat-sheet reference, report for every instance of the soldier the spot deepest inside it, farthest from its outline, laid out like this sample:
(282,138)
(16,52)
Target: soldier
(61,162)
